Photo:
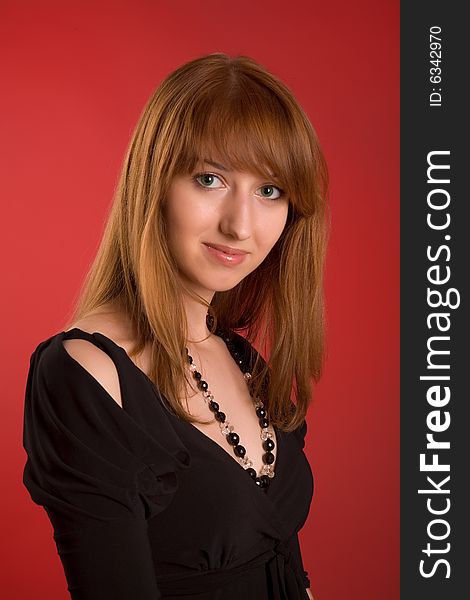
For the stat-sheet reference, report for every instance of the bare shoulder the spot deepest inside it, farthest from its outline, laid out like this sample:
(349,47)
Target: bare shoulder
(109,322)
(98,364)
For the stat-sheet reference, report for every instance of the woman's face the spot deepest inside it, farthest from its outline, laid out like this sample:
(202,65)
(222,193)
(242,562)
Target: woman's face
(221,225)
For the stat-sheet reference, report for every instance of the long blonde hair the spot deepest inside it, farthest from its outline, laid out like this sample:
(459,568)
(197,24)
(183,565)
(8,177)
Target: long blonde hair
(233,111)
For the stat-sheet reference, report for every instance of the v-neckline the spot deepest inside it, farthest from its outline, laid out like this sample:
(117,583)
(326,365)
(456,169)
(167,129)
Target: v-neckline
(233,460)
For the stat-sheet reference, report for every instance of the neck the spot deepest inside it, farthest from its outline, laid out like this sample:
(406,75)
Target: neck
(196,313)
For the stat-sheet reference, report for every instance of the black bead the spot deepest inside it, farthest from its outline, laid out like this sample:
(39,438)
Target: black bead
(268,444)
(240,451)
(197,375)
(268,458)
(251,472)
(233,438)
(240,361)
(263,423)
(220,416)
(202,385)
(214,407)
(261,412)
(264,481)
(190,359)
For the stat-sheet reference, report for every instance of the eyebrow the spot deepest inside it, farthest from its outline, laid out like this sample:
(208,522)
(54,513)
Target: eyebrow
(215,164)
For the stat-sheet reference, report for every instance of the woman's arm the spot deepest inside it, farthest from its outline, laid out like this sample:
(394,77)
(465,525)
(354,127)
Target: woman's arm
(310,594)
(84,466)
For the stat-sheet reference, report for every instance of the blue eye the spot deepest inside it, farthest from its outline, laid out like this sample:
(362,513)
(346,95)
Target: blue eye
(206,180)
(269,191)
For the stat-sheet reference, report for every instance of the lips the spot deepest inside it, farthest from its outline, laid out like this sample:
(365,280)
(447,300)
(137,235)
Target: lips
(225,255)
(226,249)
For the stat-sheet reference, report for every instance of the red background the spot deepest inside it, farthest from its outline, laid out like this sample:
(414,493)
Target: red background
(76,76)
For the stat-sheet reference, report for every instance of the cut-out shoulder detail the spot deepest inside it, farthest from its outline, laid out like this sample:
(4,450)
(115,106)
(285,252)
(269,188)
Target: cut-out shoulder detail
(98,364)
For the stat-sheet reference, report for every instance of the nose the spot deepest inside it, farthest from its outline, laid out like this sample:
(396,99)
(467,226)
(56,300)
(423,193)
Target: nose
(236,215)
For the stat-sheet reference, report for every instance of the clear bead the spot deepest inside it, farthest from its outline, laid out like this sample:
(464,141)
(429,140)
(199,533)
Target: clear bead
(224,428)
(267,470)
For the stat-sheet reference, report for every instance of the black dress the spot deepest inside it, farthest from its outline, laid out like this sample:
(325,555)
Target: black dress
(143,504)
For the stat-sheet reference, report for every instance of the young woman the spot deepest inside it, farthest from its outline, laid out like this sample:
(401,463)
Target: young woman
(166,451)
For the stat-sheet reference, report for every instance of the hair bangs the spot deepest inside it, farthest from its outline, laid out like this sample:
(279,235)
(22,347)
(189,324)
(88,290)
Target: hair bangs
(246,129)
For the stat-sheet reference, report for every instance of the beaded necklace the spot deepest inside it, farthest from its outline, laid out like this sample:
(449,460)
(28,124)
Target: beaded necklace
(263,479)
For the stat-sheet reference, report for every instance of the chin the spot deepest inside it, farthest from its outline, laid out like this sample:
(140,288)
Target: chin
(221,286)
(213,282)
(226,288)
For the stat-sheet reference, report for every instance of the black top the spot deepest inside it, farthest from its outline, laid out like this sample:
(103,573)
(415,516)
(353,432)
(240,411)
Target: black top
(146,506)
